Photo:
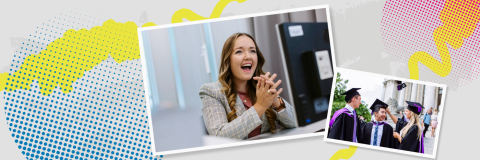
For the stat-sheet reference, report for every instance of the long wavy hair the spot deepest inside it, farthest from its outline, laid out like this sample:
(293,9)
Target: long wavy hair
(226,75)
(414,120)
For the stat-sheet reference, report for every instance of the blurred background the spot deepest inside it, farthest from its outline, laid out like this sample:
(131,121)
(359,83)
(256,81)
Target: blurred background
(181,59)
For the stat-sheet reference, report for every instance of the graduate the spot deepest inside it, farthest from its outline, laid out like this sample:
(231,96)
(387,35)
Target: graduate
(378,132)
(410,137)
(345,124)
(398,126)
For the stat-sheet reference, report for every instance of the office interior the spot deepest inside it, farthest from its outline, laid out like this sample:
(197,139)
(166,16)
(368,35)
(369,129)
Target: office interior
(180,60)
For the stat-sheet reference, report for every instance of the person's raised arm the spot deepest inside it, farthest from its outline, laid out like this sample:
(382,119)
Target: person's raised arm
(393,117)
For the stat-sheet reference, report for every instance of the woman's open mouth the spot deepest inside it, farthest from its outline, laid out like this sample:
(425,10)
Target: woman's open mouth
(247,67)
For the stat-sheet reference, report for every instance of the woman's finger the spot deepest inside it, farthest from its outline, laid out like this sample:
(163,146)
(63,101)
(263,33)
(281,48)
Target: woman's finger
(273,77)
(270,83)
(273,91)
(258,85)
(257,78)
(276,84)
(264,77)
(267,74)
(263,84)
(279,91)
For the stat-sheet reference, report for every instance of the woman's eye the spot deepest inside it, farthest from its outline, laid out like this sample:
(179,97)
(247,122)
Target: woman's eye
(253,51)
(238,51)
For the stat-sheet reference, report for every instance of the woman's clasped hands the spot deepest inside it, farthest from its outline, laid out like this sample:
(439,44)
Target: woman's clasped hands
(267,90)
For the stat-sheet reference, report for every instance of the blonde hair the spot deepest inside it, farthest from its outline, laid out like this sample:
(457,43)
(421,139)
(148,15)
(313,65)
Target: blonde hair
(226,75)
(414,120)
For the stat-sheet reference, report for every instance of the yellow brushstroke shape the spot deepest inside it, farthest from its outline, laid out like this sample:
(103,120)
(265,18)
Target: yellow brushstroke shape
(148,24)
(192,16)
(344,153)
(67,58)
(459,20)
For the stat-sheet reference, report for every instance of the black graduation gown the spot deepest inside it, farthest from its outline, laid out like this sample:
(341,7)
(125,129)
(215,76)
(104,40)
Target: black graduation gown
(400,124)
(410,142)
(342,128)
(398,127)
(387,135)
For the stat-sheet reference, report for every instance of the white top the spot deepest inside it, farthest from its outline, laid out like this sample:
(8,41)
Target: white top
(434,117)
(379,134)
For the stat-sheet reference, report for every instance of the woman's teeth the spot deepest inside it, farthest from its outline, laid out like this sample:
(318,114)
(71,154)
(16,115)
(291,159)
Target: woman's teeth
(247,67)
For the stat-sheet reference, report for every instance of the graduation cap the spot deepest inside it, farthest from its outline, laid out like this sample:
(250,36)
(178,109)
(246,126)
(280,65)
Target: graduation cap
(350,94)
(378,103)
(414,107)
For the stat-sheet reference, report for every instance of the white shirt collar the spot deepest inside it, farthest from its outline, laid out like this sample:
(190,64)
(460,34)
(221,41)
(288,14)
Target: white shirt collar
(373,120)
(349,108)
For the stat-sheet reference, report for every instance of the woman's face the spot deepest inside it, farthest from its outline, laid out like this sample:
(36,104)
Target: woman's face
(243,60)
(407,113)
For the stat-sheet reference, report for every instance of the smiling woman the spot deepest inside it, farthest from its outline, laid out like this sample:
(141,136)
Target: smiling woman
(244,102)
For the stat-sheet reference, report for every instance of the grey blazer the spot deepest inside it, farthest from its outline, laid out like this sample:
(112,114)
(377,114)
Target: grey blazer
(215,109)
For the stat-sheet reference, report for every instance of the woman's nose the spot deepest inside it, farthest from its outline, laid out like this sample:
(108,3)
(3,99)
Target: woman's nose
(247,56)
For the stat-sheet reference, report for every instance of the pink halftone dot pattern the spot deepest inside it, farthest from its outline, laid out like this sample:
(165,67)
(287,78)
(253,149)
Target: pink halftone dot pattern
(408,26)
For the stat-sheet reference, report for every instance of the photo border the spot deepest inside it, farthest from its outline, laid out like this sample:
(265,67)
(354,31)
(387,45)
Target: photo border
(242,143)
(440,116)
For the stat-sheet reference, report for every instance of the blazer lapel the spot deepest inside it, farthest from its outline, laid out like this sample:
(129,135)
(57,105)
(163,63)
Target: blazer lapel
(239,106)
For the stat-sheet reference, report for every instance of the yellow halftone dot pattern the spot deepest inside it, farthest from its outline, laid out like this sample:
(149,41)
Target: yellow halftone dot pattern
(3,79)
(459,20)
(66,59)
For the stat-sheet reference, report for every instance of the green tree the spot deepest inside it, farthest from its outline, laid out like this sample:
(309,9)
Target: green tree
(339,99)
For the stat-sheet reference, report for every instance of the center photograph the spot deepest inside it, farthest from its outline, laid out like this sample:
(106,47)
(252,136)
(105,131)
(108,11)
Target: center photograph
(237,80)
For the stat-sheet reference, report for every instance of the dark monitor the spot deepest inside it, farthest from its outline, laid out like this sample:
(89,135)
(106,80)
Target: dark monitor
(308,60)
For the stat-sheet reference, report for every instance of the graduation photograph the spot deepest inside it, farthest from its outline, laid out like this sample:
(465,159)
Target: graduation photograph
(385,113)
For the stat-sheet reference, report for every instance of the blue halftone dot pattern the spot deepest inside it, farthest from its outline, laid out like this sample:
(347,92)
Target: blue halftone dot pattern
(104,117)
